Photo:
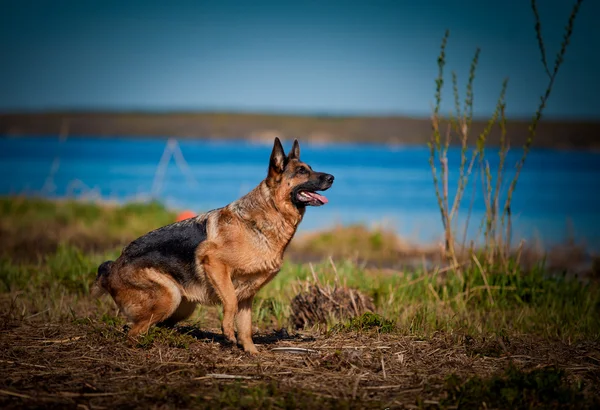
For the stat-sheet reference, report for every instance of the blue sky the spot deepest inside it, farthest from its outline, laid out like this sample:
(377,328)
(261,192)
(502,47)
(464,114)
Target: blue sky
(326,57)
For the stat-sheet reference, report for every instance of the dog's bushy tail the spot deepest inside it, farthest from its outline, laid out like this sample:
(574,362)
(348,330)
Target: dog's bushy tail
(99,286)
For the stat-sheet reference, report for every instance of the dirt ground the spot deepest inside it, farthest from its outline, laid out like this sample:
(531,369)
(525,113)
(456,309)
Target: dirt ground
(90,364)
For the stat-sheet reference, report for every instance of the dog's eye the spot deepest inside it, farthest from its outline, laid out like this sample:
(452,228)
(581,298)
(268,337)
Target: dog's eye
(301,170)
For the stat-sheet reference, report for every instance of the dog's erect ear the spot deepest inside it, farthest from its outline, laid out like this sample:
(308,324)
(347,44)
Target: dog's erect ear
(295,151)
(277,162)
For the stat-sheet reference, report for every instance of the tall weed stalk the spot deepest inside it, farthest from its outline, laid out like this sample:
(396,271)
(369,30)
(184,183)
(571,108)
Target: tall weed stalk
(496,224)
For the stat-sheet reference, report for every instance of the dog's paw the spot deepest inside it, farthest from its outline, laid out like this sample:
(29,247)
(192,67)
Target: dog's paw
(230,338)
(251,349)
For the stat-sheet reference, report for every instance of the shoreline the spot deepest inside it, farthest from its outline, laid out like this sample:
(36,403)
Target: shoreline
(395,131)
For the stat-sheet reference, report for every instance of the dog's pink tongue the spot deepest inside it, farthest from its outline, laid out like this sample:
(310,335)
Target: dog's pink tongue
(321,198)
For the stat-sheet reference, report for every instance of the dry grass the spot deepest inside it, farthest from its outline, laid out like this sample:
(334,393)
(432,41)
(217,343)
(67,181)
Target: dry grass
(87,362)
(31,228)
(316,304)
(376,247)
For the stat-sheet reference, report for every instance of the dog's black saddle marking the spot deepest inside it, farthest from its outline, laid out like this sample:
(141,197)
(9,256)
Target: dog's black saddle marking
(170,249)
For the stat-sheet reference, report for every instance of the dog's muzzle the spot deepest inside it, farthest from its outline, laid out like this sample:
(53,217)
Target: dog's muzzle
(306,193)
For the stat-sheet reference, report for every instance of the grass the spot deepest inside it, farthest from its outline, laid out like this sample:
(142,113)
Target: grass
(166,337)
(375,247)
(367,322)
(418,301)
(514,389)
(437,339)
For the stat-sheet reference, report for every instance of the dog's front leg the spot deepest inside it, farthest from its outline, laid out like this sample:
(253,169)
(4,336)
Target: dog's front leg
(219,275)
(244,325)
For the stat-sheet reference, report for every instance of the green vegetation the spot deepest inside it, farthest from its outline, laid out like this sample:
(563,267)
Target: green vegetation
(367,322)
(492,300)
(163,336)
(514,389)
(33,228)
(261,396)
(356,242)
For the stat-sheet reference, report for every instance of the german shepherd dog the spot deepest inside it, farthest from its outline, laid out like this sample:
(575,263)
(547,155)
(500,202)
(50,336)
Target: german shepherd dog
(222,256)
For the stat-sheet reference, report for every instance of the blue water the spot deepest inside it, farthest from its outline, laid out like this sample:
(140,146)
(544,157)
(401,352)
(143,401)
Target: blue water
(557,195)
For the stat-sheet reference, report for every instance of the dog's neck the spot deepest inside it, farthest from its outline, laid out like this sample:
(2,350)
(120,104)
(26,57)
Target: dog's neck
(271,212)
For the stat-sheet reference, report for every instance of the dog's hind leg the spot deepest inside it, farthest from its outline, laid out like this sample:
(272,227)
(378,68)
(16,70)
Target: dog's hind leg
(146,297)
(184,310)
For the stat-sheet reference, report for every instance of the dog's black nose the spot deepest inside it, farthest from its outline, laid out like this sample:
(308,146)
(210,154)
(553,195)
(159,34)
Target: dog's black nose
(328,178)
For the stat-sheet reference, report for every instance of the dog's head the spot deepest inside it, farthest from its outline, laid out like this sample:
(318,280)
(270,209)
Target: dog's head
(294,180)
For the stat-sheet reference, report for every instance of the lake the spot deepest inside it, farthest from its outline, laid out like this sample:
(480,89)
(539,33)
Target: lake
(557,196)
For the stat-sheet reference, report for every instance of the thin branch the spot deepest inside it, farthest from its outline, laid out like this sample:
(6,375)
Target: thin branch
(538,33)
